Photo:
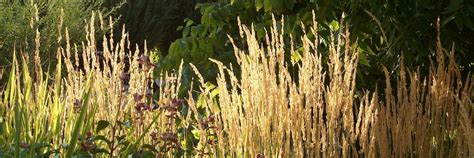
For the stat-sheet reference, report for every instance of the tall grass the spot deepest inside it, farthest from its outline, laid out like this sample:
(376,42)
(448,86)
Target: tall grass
(93,105)
(265,111)
(90,105)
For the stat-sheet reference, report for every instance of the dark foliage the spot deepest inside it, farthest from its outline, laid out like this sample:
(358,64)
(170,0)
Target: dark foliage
(382,31)
(153,20)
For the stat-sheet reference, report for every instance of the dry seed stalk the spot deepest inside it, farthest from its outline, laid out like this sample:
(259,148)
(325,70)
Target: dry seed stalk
(266,113)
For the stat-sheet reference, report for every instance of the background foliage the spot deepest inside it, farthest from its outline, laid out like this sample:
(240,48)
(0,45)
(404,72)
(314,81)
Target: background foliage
(19,21)
(385,33)
(152,20)
(382,31)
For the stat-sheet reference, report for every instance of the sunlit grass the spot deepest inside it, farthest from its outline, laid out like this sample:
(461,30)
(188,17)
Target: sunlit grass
(103,105)
(266,111)
(83,107)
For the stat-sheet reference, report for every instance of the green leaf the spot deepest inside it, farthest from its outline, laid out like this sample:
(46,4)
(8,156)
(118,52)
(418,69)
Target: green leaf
(196,133)
(201,101)
(366,49)
(363,59)
(180,28)
(448,19)
(267,4)
(194,32)
(214,93)
(186,32)
(101,125)
(207,48)
(202,30)
(258,4)
(210,86)
(189,22)
(196,55)
(334,25)
(102,138)
(296,57)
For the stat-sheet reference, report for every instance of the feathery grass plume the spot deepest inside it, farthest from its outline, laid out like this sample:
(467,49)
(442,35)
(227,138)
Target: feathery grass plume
(467,118)
(121,96)
(47,115)
(427,117)
(268,112)
(106,110)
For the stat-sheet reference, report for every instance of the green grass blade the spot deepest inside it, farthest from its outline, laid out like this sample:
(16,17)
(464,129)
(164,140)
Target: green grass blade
(132,146)
(16,111)
(57,110)
(80,120)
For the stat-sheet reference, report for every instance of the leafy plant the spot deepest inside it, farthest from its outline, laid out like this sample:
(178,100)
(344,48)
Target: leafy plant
(382,32)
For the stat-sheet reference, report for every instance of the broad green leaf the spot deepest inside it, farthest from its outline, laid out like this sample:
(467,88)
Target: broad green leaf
(202,30)
(214,93)
(186,32)
(189,22)
(102,138)
(334,25)
(258,4)
(194,32)
(366,49)
(196,133)
(448,19)
(101,125)
(210,86)
(201,101)
(179,28)
(363,59)
(296,57)
(267,5)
